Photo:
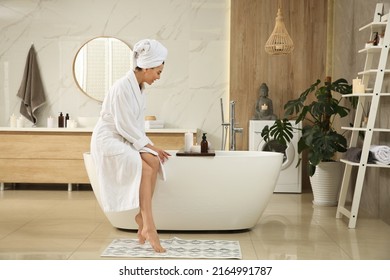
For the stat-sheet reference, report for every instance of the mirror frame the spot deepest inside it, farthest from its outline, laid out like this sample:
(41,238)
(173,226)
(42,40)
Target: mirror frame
(77,53)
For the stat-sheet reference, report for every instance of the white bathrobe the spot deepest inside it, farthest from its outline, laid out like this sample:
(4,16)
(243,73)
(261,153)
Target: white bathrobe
(117,140)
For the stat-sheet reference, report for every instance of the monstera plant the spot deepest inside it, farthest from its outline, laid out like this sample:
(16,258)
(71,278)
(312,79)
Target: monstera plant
(316,108)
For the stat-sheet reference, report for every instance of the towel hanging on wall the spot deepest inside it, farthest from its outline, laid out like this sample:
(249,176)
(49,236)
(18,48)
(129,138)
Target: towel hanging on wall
(31,89)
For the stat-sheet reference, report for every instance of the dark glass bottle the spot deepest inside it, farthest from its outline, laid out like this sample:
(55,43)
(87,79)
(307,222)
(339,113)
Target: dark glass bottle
(204,145)
(376,39)
(66,119)
(61,120)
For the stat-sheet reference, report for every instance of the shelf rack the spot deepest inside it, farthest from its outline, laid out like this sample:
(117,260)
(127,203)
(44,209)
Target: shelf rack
(379,24)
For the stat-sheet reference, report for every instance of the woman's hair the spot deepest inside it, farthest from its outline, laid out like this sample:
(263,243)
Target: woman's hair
(139,68)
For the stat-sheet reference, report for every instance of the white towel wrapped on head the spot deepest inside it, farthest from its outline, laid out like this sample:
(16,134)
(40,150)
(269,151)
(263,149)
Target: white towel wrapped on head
(381,153)
(149,53)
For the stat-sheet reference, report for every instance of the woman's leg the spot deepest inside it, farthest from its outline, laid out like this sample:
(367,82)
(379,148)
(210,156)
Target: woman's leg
(139,221)
(147,229)
(151,161)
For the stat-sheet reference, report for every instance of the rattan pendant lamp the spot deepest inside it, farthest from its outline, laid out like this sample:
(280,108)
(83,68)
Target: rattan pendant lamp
(279,43)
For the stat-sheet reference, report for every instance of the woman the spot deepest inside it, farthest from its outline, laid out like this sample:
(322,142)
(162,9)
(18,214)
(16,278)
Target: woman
(127,161)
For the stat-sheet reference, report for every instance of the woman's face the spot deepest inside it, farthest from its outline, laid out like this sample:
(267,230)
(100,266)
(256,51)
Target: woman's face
(152,74)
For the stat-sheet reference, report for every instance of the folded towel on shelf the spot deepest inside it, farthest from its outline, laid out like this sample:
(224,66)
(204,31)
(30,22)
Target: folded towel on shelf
(154,124)
(381,153)
(31,89)
(354,154)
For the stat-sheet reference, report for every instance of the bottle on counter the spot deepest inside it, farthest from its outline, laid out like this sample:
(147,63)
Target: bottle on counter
(204,145)
(12,120)
(66,119)
(61,120)
(20,122)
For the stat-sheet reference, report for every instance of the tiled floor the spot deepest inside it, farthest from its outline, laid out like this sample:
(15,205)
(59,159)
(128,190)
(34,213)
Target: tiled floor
(56,224)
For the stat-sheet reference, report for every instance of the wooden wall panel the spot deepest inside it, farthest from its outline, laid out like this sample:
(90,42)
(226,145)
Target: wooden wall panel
(252,22)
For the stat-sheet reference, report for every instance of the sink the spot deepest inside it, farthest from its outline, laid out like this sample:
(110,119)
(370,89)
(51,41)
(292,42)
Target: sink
(87,121)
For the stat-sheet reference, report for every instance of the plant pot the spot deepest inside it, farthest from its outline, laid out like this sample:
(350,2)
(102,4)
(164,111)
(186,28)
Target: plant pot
(326,183)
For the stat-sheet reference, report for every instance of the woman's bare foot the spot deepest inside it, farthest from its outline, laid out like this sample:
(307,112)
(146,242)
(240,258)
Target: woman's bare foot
(154,240)
(139,221)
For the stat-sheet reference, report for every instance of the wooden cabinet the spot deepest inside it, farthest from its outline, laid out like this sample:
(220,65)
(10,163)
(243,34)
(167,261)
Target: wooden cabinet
(41,155)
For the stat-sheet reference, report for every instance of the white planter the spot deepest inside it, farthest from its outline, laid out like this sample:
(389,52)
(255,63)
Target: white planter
(326,183)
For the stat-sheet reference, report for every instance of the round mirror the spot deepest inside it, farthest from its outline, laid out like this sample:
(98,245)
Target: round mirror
(99,63)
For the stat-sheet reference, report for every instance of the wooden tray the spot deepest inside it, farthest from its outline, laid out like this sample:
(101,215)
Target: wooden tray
(181,153)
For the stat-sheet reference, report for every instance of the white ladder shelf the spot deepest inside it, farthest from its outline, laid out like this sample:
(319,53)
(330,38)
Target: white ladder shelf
(379,24)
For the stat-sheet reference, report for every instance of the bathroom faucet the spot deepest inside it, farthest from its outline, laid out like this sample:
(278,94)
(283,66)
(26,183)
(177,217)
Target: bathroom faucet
(233,130)
(225,128)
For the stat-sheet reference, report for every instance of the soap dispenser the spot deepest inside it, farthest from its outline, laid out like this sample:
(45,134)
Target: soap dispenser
(66,119)
(204,145)
(61,120)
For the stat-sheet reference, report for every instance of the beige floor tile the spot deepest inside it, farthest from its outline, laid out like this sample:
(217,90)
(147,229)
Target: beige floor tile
(106,230)
(7,228)
(54,228)
(366,229)
(54,224)
(78,209)
(248,251)
(276,231)
(91,249)
(299,250)
(23,210)
(370,249)
(38,247)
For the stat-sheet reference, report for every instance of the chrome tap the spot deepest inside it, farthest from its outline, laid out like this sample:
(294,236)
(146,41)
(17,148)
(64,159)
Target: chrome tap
(233,130)
(225,127)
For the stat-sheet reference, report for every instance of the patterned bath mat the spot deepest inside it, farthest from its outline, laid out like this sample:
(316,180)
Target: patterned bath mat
(176,248)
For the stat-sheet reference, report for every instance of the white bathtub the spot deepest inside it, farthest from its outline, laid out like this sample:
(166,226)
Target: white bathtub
(227,192)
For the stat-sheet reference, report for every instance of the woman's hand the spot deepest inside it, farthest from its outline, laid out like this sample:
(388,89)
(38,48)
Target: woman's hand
(163,155)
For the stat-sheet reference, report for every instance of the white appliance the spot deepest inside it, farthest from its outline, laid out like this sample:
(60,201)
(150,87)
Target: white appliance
(290,176)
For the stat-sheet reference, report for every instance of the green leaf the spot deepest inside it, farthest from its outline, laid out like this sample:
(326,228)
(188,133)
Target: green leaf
(280,130)
(265,133)
(311,169)
(341,86)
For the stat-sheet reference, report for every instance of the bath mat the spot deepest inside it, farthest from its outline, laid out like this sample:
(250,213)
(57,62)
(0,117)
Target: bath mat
(176,248)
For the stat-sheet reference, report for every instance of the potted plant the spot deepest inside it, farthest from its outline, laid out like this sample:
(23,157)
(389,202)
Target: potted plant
(319,137)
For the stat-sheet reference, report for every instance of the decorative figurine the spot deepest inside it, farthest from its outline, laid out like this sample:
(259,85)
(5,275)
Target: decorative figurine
(264,107)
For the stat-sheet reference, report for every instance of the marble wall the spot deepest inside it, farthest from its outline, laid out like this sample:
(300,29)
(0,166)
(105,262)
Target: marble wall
(196,74)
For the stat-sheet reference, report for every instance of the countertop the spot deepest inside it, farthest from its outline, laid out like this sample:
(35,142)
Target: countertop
(89,129)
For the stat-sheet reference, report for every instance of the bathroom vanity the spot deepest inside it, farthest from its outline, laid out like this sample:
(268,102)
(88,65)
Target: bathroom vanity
(55,155)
